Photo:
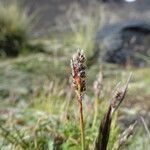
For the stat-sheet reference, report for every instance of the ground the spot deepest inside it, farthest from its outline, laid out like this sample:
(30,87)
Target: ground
(25,81)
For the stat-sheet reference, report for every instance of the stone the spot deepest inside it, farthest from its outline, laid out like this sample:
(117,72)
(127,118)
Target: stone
(126,42)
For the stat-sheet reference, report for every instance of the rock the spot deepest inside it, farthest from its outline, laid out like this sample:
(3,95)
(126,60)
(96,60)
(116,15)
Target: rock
(124,42)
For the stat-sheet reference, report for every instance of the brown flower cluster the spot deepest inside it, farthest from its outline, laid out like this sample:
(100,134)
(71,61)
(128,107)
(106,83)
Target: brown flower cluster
(78,71)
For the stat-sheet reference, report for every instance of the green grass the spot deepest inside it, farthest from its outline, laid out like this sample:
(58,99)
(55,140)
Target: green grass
(40,109)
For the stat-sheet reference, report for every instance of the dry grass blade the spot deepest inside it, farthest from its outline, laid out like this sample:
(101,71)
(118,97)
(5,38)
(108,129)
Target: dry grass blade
(124,137)
(146,127)
(104,129)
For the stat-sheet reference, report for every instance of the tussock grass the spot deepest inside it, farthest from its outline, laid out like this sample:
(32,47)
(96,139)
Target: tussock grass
(15,27)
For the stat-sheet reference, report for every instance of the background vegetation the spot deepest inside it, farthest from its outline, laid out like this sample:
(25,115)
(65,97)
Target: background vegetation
(38,105)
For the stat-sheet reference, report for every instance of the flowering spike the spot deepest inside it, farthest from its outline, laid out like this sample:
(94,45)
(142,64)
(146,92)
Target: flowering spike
(78,77)
(78,71)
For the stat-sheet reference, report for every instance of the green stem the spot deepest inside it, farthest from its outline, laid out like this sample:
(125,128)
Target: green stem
(95,112)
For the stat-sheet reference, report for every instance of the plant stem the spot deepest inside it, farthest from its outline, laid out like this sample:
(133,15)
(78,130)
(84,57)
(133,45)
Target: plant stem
(81,122)
(95,111)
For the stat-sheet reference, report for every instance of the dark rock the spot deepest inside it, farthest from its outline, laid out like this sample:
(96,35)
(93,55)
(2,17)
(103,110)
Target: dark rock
(123,43)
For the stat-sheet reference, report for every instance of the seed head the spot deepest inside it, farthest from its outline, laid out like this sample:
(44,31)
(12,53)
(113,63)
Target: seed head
(78,71)
(124,137)
(97,85)
(119,96)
